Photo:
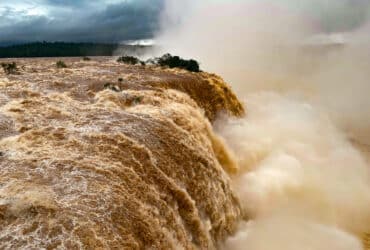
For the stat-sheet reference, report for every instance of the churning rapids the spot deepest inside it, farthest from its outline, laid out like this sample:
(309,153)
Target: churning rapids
(134,165)
(166,159)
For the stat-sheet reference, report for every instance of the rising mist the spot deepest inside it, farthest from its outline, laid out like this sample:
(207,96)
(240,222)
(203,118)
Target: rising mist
(305,86)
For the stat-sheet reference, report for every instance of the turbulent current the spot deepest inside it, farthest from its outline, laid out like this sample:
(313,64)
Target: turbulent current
(102,155)
(90,162)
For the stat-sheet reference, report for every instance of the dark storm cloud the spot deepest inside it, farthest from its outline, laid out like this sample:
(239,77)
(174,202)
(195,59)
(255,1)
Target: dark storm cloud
(119,20)
(67,2)
(86,21)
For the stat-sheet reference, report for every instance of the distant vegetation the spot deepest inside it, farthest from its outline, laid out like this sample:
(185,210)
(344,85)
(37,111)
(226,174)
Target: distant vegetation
(166,60)
(170,61)
(9,68)
(128,60)
(61,49)
(61,64)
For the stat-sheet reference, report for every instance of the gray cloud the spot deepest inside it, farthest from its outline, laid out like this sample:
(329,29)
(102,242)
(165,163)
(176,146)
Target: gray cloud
(119,20)
(79,21)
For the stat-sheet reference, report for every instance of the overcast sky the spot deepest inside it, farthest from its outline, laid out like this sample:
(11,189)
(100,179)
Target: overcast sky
(120,20)
(78,20)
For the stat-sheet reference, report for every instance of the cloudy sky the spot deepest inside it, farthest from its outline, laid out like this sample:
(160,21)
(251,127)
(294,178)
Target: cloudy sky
(78,20)
(120,20)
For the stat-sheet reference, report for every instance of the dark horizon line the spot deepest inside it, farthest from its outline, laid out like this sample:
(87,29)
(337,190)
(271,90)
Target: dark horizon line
(69,49)
(13,44)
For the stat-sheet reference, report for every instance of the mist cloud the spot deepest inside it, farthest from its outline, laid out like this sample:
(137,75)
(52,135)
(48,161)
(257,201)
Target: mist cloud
(301,67)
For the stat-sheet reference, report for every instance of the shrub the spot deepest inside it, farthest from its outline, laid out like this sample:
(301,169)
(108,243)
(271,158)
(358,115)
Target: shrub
(9,68)
(85,58)
(166,60)
(170,61)
(128,60)
(61,64)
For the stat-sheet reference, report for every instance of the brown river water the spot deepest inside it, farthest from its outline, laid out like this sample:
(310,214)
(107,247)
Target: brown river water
(91,162)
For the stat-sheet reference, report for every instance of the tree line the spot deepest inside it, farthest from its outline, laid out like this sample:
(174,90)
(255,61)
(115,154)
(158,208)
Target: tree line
(63,49)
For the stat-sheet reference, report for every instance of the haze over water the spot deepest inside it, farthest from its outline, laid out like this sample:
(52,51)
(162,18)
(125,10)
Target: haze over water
(302,149)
